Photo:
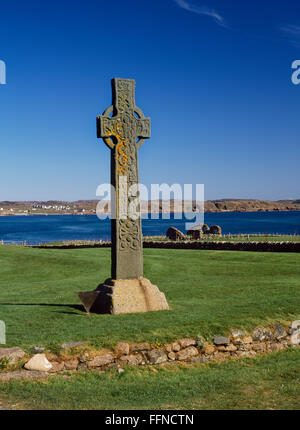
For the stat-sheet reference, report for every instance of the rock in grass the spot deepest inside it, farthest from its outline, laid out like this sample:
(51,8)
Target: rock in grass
(295,337)
(237,333)
(132,359)
(122,348)
(262,334)
(157,356)
(221,340)
(172,356)
(38,349)
(71,364)
(168,347)
(186,353)
(57,366)
(276,346)
(100,360)
(247,340)
(231,348)
(84,358)
(12,354)
(137,347)
(38,362)
(82,366)
(199,359)
(279,332)
(187,341)
(294,326)
(175,346)
(259,347)
(209,349)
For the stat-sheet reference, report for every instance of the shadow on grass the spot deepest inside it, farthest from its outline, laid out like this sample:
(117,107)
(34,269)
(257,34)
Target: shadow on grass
(72,313)
(74,306)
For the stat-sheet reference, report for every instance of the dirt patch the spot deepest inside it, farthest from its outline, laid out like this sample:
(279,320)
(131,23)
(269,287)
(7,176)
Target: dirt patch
(23,374)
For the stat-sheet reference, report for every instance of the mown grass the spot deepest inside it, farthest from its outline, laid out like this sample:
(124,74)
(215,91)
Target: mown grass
(209,292)
(266,382)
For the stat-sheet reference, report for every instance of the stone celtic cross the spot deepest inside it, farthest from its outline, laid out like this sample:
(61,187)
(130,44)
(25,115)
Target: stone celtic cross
(123,127)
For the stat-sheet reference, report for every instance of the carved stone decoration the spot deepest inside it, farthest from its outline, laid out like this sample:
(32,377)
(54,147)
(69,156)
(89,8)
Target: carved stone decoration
(123,133)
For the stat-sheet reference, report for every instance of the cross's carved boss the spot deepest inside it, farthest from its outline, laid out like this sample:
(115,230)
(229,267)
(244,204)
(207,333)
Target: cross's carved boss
(124,132)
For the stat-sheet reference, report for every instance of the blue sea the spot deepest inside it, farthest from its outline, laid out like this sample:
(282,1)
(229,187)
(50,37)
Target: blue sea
(49,228)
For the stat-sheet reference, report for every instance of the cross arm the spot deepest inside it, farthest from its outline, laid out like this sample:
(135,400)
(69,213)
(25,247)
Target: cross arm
(107,128)
(143,130)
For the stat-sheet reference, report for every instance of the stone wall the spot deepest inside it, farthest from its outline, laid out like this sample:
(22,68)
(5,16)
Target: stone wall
(195,244)
(227,246)
(237,344)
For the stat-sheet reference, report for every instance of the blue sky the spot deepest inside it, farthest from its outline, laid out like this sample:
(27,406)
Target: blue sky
(214,76)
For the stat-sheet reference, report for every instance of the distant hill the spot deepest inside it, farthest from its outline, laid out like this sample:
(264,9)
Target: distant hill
(220,205)
(251,205)
(156,206)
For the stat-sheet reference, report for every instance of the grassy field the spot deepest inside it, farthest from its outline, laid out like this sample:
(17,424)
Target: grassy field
(209,292)
(266,382)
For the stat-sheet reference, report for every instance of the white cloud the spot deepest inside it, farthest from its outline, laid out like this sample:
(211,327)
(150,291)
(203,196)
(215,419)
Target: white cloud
(291,29)
(293,33)
(201,11)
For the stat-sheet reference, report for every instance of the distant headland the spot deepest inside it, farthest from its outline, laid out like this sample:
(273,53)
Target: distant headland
(88,207)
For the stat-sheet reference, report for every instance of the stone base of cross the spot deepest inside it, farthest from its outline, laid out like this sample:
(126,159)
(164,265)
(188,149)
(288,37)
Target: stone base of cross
(124,296)
(123,127)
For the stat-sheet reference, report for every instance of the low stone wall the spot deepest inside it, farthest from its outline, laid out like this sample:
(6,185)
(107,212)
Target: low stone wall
(227,246)
(194,244)
(192,350)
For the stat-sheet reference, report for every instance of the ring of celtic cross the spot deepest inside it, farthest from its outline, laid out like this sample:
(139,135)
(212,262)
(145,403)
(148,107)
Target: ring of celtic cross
(107,113)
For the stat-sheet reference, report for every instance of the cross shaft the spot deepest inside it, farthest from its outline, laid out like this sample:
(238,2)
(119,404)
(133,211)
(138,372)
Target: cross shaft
(124,132)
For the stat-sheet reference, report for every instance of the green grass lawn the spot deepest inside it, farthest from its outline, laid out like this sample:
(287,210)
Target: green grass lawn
(209,292)
(266,382)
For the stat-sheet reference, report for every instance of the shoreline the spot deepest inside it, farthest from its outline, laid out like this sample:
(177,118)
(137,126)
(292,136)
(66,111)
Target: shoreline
(153,213)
